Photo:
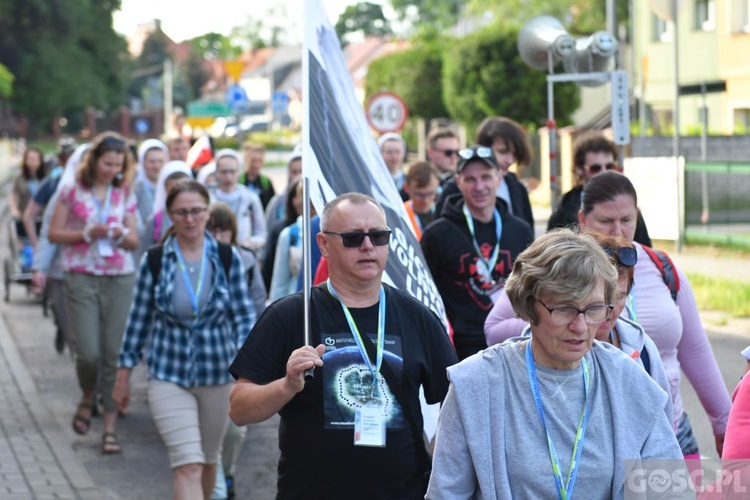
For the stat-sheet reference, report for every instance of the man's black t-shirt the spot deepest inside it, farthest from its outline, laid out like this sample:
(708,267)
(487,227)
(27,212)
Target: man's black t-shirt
(318,458)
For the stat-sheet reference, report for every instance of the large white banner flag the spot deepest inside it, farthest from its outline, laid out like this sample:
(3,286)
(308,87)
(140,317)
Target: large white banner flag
(340,154)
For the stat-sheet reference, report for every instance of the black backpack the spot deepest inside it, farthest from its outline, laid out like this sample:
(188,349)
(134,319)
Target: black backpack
(155,253)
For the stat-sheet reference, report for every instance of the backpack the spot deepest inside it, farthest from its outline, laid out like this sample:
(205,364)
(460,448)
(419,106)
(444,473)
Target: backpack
(666,268)
(155,253)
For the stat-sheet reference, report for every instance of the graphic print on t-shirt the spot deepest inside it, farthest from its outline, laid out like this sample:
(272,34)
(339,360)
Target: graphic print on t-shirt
(480,282)
(347,381)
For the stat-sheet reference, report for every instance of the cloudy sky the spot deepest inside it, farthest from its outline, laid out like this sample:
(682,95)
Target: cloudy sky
(182,20)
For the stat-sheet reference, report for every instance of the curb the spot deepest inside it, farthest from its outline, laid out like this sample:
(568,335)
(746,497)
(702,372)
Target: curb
(77,475)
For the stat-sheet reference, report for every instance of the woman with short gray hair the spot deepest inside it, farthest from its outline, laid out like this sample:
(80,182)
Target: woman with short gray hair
(539,417)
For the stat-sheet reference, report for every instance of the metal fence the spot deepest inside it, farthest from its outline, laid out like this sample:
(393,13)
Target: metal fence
(717,203)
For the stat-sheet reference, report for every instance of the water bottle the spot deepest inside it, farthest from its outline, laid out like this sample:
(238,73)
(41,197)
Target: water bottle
(27,256)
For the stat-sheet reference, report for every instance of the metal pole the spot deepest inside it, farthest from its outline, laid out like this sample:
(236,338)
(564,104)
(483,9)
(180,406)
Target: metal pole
(704,154)
(551,130)
(168,110)
(306,263)
(676,116)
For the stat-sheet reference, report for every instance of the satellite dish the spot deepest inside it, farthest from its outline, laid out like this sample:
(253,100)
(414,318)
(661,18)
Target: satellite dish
(541,35)
(592,54)
(663,8)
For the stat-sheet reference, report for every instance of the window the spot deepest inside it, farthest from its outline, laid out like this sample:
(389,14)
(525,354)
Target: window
(740,16)
(662,30)
(705,15)
(741,120)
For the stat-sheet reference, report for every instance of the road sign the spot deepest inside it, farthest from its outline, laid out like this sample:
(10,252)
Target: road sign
(236,97)
(208,109)
(141,126)
(279,102)
(704,88)
(620,108)
(386,112)
(234,68)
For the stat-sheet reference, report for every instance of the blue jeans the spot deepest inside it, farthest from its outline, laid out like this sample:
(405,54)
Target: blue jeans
(685,437)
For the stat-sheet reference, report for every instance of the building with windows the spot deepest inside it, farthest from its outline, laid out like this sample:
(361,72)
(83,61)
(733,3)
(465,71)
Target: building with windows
(714,43)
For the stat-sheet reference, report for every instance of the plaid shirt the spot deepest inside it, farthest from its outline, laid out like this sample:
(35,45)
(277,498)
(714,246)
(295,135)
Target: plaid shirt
(196,354)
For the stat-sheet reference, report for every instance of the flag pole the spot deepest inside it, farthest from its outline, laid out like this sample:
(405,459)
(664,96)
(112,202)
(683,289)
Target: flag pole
(306,263)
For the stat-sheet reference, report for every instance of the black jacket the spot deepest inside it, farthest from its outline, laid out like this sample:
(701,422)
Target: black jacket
(519,197)
(566,215)
(456,268)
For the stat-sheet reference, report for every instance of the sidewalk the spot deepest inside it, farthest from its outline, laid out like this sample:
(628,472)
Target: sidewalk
(36,461)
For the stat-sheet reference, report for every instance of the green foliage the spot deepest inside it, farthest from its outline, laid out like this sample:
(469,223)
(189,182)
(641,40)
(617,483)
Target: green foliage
(437,14)
(215,46)
(65,56)
(718,294)
(414,75)
(365,19)
(483,75)
(6,82)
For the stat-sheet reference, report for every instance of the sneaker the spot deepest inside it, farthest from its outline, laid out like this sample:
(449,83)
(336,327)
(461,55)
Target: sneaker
(230,487)
(59,341)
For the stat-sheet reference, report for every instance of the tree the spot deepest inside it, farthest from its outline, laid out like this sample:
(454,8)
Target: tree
(414,75)
(64,56)
(437,14)
(6,82)
(362,19)
(212,46)
(483,75)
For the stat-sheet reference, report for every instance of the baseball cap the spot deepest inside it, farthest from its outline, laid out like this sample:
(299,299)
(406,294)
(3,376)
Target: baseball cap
(476,152)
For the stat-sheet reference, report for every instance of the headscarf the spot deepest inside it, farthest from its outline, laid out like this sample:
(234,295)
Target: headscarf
(391,136)
(205,171)
(160,200)
(228,152)
(144,148)
(68,177)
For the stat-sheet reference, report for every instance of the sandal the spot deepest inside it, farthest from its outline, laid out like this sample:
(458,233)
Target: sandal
(110,443)
(82,422)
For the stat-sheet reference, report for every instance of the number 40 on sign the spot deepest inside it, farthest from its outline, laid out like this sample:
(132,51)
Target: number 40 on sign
(386,112)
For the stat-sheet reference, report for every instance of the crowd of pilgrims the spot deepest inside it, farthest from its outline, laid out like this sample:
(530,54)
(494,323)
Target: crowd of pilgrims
(123,239)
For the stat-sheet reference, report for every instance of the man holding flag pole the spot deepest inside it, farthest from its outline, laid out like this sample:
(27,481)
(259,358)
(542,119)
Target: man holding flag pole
(355,428)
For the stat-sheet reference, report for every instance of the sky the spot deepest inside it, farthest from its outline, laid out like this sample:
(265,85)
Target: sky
(182,20)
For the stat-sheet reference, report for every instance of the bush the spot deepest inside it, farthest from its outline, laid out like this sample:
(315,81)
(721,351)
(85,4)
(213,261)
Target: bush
(484,75)
(414,75)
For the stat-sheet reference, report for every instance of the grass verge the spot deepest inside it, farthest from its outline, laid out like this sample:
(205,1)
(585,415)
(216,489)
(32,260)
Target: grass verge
(719,294)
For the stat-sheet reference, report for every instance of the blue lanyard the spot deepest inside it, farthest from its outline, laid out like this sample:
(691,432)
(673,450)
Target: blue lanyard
(193,294)
(359,340)
(498,230)
(103,214)
(630,305)
(564,492)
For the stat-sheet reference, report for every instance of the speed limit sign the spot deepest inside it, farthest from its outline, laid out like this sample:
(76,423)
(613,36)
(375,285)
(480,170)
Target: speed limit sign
(386,112)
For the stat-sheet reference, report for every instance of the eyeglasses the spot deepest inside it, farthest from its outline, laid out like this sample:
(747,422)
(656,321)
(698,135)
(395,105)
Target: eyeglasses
(626,256)
(595,168)
(227,171)
(566,315)
(354,239)
(423,195)
(183,213)
(478,152)
(448,152)
(111,143)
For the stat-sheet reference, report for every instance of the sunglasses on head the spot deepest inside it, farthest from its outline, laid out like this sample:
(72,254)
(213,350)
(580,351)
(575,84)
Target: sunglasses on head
(354,239)
(595,168)
(626,256)
(480,152)
(111,144)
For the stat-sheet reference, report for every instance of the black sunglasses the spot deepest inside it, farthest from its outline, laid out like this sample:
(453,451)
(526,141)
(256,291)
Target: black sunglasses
(111,144)
(596,167)
(626,256)
(448,152)
(478,152)
(354,239)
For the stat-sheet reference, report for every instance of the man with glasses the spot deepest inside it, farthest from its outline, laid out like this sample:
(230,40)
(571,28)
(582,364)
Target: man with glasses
(356,429)
(592,155)
(442,150)
(470,249)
